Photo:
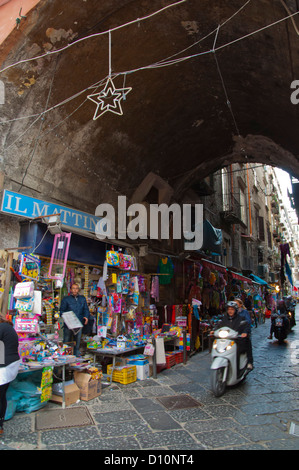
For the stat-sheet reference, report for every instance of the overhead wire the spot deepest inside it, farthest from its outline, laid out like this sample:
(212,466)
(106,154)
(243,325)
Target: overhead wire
(290,16)
(159,64)
(40,128)
(162,63)
(209,34)
(292,19)
(57,51)
(257,31)
(51,109)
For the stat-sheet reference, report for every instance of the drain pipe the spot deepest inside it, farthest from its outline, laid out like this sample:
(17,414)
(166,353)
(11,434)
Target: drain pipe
(249,200)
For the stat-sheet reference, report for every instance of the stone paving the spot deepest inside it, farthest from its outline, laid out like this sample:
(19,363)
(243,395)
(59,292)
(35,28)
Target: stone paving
(255,415)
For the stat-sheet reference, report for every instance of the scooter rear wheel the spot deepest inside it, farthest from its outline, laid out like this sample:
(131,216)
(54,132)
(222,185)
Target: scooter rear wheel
(217,384)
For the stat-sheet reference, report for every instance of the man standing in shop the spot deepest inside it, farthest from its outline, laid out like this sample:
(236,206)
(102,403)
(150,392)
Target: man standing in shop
(77,304)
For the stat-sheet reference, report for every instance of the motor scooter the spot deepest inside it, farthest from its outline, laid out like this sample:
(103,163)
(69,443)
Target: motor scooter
(281,327)
(228,366)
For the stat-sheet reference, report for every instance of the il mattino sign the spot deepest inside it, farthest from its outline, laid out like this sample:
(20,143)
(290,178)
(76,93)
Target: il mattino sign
(25,206)
(103,224)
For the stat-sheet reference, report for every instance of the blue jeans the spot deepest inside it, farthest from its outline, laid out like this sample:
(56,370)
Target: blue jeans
(69,336)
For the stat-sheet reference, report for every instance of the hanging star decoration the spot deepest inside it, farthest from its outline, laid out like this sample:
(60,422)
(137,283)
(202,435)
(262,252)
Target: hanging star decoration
(109,99)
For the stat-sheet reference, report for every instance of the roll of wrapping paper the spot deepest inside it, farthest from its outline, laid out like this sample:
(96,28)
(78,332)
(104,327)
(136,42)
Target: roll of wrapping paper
(86,281)
(11,302)
(173,315)
(49,310)
(11,299)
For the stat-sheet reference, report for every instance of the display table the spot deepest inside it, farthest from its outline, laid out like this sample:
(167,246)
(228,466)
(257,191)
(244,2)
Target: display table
(114,354)
(61,365)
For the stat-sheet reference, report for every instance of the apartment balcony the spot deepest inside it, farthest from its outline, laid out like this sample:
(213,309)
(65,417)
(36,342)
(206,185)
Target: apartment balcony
(274,205)
(277,235)
(232,211)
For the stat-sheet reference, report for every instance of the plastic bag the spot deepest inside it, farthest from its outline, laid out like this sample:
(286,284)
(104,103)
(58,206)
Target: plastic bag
(25,394)
(149,350)
(12,397)
(10,410)
(29,404)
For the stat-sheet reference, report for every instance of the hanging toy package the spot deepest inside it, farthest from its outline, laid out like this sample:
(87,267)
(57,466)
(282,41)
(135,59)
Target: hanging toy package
(112,257)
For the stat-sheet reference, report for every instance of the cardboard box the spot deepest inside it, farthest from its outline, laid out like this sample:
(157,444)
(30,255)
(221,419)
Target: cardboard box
(143,371)
(71,392)
(89,388)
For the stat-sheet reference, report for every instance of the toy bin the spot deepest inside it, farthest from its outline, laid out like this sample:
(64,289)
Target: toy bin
(170,360)
(179,357)
(123,375)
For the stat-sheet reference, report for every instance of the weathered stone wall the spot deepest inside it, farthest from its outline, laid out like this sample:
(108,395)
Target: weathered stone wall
(176,121)
(9,232)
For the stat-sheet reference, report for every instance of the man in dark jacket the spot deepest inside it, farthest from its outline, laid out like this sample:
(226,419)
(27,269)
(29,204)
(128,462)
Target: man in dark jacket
(233,320)
(77,304)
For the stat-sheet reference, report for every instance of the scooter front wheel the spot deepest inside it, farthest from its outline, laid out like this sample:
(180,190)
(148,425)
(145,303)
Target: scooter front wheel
(217,383)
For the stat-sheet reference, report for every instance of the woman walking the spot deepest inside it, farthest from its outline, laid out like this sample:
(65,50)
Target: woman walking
(9,363)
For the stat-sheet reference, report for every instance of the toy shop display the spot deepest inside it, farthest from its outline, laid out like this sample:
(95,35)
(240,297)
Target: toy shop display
(27,321)
(125,315)
(29,266)
(59,256)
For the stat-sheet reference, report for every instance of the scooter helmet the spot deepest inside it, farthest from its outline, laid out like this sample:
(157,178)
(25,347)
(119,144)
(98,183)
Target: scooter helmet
(232,304)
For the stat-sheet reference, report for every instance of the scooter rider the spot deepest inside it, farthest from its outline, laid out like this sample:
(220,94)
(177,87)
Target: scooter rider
(233,320)
(281,310)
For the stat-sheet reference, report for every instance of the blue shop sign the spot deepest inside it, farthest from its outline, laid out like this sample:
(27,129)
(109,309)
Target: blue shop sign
(29,207)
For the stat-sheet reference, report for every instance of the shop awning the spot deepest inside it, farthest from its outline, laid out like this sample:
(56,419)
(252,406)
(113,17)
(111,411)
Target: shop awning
(258,280)
(240,277)
(213,266)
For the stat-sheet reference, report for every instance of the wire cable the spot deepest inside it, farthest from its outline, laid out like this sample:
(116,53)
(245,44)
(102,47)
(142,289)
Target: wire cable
(57,51)
(40,128)
(44,236)
(160,64)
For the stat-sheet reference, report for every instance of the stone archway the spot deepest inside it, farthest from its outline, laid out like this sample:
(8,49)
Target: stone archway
(176,121)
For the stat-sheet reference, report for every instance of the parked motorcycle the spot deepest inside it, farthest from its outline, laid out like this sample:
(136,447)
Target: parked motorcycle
(228,366)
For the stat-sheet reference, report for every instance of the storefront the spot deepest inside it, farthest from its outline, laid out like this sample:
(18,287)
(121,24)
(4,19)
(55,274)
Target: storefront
(122,299)
(147,310)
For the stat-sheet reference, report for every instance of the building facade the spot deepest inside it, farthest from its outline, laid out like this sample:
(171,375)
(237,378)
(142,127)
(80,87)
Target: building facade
(247,202)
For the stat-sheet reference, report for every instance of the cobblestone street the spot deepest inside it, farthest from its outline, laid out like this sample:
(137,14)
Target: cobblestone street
(149,187)
(254,415)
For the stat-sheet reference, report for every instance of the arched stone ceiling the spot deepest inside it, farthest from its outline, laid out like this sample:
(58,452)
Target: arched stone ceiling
(176,121)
